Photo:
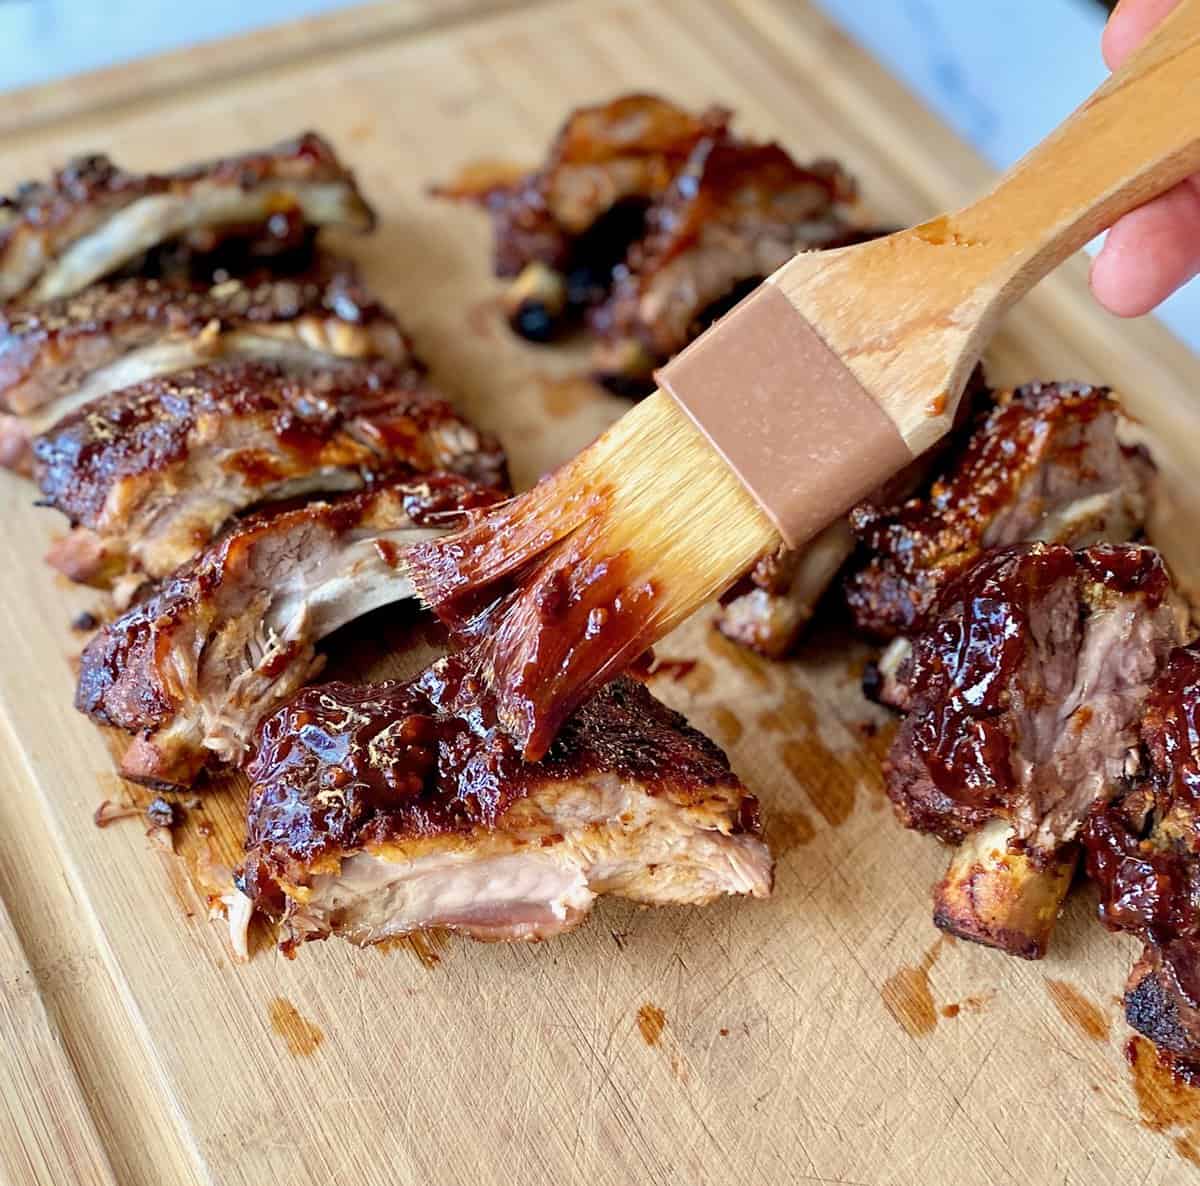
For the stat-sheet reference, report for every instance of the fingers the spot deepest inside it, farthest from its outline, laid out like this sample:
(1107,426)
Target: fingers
(1128,26)
(1150,253)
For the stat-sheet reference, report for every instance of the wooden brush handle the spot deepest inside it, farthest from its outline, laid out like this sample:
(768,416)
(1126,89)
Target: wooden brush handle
(908,315)
(1134,138)
(812,411)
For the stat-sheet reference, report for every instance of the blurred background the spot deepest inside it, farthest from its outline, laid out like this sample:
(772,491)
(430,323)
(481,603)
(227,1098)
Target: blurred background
(1001,72)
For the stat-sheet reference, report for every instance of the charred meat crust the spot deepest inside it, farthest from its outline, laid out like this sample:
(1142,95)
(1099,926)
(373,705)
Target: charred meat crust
(1142,852)
(735,213)
(48,349)
(374,415)
(343,766)
(41,220)
(404,785)
(254,604)
(603,158)
(154,469)
(1162,998)
(1043,453)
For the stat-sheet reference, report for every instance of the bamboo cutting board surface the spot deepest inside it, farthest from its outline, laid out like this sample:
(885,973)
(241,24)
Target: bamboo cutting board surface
(827,1035)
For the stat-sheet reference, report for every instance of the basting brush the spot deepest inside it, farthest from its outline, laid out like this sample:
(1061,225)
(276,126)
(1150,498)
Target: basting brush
(831,376)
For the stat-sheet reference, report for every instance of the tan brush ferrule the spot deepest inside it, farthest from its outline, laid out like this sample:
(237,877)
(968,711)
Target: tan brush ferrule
(795,425)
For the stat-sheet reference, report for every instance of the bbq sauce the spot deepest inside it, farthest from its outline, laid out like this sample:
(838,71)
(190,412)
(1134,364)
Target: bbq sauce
(1002,645)
(545,610)
(919,545)
(964,665)
(343,765)
(1142,847)
(565,629)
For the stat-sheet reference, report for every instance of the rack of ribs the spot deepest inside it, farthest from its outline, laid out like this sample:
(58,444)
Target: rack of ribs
(562,229)
(1025,692)
(150,473)
(92,219)
(379,810)
(193,668)
(57,357)
(734,214)
(1142,848)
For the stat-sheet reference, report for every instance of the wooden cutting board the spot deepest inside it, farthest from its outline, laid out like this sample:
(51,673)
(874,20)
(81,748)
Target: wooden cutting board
(828,1035)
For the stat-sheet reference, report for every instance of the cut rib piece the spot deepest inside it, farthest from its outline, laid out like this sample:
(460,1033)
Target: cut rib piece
(151,473)
(382,809)
(734,214)
(768,610)
(1045,464)
(93,218)
(564,227)
(1143,851)
(58,357)
(1026,691)
(193,668)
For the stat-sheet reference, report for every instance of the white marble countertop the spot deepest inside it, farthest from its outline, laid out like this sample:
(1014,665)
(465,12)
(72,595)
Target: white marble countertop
(1002,72)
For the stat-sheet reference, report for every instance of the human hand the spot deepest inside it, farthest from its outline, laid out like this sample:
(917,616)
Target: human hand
(1155,249)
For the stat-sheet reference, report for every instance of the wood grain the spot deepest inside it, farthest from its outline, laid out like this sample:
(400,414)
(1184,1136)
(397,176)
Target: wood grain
(783,1053)
(46,1131)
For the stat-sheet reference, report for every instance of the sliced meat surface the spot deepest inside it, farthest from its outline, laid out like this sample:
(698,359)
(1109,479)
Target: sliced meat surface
(1027,689)
(150,473)
(377,810)
(1143,851)
(193,668)
(93,218)
(58,357)
(735,213)
(1046,464)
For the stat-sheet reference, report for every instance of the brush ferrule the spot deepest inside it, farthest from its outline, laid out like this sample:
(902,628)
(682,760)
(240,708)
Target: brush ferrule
(787,415)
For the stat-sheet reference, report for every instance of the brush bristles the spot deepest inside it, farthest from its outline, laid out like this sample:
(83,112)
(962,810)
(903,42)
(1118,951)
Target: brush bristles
(677,510)
(564,586)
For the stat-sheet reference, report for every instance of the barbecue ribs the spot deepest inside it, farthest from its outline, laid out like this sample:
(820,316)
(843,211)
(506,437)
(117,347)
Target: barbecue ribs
(1025,693)
(382,809)
(769,608)
(151,473)
(562,229)
(735,213)
(1045,464)
(1142,850)
(58,357)
(92,218)
(193,668)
